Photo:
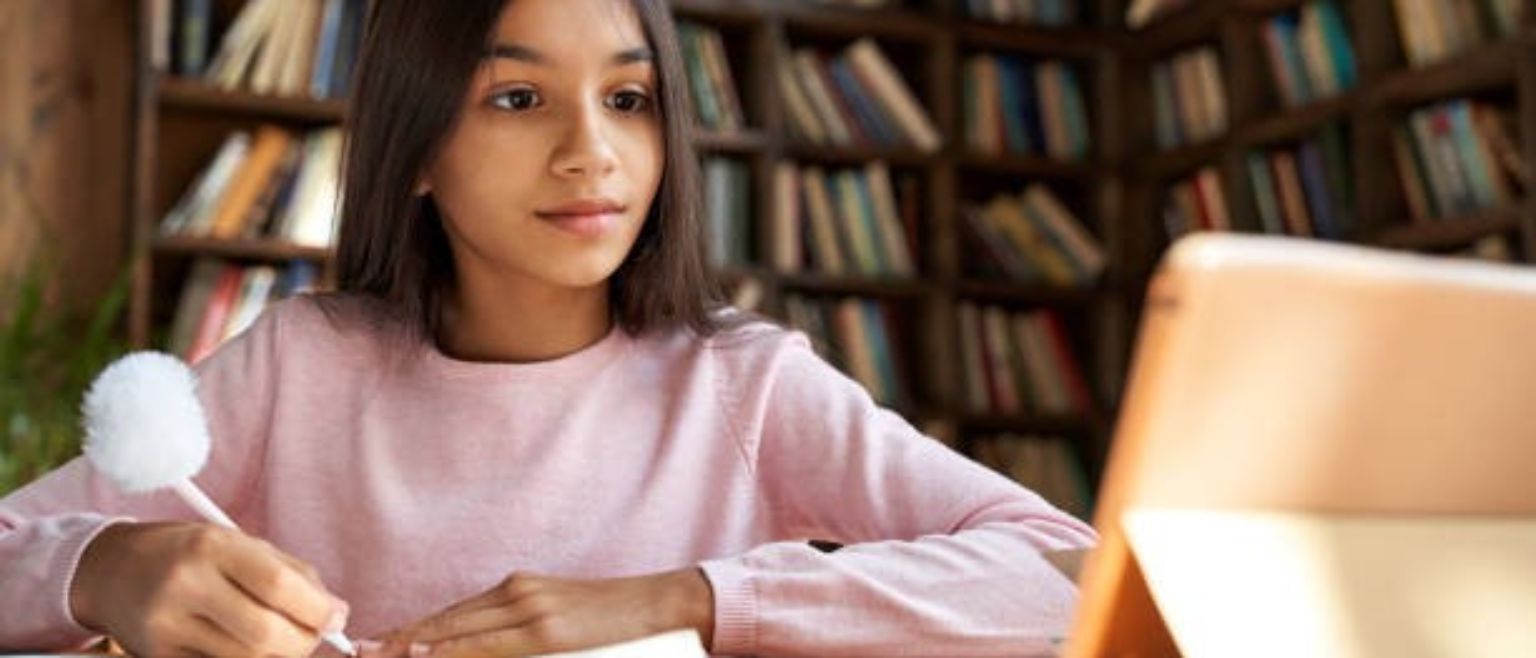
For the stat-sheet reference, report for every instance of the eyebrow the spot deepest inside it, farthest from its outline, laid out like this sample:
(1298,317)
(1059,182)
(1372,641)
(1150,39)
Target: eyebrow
(525,54)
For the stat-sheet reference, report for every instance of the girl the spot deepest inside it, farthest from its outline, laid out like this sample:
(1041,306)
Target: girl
(524,423)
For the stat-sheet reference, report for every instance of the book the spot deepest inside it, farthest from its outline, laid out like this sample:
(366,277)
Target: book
(672,644)
(194,26)
(705,102)
(220,304)
(1188,90)
(328,40)
(197,289)
(1075,241)
(894,94)
(189,213)
(972,358)
(723,82)
(807,71)
(1264,194)
(896,248)
(246,185)
(788,225)
(1293,202)
(256,284)
(803,118)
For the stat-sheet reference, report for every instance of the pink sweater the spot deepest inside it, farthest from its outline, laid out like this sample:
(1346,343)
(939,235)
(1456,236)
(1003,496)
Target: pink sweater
(412,480)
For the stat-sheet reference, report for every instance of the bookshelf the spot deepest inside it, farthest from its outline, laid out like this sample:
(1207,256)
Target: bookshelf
(1117,188)
(1497,70)
(181,123)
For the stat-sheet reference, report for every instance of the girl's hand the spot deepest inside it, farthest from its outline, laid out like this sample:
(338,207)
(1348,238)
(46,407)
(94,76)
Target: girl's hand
(529,614)
(163,589)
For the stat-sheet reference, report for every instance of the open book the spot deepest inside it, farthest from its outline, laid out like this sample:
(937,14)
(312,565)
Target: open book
(673,644)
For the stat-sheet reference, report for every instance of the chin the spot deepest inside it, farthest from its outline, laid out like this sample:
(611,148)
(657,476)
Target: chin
(584,273)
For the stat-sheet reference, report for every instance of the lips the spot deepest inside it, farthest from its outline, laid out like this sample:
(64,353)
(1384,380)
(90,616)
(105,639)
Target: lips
(587,218)
(581,208)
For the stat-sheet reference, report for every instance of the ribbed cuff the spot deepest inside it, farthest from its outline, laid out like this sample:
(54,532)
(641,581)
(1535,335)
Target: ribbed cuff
(735,606)
(69,563)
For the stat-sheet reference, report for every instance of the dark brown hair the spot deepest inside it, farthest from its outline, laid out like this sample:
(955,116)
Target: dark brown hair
(417,61)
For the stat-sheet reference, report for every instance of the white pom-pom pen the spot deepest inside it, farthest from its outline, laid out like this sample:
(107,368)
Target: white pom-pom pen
(145,430)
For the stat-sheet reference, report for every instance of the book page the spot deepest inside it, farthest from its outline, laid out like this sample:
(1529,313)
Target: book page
(673,644)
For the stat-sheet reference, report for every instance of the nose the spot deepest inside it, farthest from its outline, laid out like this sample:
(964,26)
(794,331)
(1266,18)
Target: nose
(585,149)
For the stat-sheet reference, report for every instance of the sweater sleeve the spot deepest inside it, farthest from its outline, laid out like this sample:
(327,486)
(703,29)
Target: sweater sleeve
(943,556)
(46,525)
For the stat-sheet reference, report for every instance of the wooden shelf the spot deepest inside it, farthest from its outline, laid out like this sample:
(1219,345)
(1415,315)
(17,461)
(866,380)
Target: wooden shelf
(898,25)
(257,250)
(1184,28)
(183,94)
(728,12)
(1267,6)
(750,141)
(984,290)
(854,285)
(1451,232)
(1028,166)
(1480,69)
(1295,123)
(857,155)
(1183,160)
(1070,42)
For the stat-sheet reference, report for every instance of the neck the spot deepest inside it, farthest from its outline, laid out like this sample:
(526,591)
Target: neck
(522,321)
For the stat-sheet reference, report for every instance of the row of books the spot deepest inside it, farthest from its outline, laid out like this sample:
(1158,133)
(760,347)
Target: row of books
(844,221)
(1048,466)
(1189,98)
(1032,237)
(276,184)
(1310,54)
(1196,203)
(1457,157)
(1045,13)
(1016,106)
(1303,190)
(857,336)
(713,87)
(855,98)
(220,299)
(285,47)
(1019,362)
(1432,30)
(728,211)
(1306,190)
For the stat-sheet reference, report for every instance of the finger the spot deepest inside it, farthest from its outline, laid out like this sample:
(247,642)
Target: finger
(313,576)
(256,627)
(206,638)
(257,570)
(524,640)
(474,622)
(509,591)
(305,569)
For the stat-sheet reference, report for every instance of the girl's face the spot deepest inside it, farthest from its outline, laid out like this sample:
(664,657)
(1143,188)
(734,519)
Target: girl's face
(558,151)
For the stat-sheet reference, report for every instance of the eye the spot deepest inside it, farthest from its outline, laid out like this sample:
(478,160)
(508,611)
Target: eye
(630,102)
(516,100)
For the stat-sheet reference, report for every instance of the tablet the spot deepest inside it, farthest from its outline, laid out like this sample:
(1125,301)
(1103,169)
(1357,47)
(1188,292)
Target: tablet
(1323,450)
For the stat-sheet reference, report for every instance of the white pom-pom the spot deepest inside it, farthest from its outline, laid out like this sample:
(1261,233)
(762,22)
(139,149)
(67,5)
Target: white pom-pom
(144,426)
